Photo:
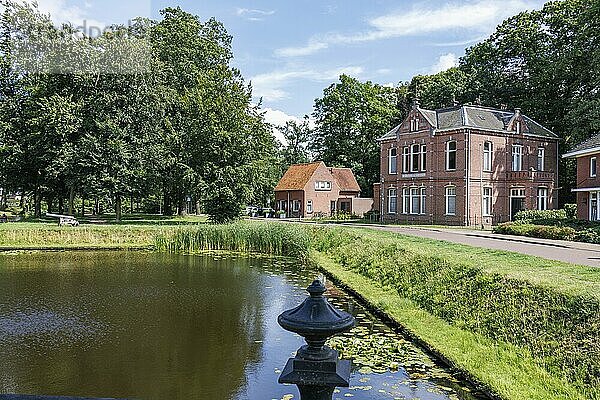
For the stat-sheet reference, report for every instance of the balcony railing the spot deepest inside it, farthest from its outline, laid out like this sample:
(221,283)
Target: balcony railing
(530,175)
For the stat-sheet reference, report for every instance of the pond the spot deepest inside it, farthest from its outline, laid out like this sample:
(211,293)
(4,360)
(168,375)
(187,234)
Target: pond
(158,326)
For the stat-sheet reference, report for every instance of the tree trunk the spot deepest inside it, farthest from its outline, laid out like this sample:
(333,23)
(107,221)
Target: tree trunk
(50,203)
(83,206)
(118,205)
(72,201)
(167,205)
(37,204)
(61,205)
(96,206)
(131,205)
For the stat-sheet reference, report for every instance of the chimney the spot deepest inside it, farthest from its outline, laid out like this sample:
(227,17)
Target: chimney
(416,103)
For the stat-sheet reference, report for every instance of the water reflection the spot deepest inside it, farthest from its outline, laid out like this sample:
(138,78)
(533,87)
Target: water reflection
(152,326)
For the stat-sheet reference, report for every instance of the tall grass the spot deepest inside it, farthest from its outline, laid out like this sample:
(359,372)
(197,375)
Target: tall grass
(270,238)
(561,331)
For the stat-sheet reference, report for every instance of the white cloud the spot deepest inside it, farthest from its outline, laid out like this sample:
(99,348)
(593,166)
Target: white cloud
(446,61)
(270,86)
(253,14)
(278,118)
(61,12)
(480,16)
(383,71)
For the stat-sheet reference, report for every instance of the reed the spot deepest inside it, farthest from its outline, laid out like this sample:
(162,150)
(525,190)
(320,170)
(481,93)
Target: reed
(269,238)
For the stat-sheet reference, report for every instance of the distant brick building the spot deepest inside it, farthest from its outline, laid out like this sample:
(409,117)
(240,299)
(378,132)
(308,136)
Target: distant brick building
(310,190)
(466,165)
(588,179)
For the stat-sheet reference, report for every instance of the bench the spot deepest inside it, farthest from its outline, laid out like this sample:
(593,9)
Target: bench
(64,220)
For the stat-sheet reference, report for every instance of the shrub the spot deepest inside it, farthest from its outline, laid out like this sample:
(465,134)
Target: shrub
(571,211)
(545,217)
(537,231)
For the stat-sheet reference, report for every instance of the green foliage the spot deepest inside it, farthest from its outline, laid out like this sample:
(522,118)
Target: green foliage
(278,239)
(561,331)
(350,116)
(571,211)
(538,231)
(541,217)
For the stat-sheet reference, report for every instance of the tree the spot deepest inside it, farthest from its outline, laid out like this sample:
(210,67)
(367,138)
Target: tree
(350,117)
(297,136)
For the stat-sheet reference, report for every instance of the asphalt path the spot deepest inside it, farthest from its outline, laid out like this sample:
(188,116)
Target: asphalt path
(572,252)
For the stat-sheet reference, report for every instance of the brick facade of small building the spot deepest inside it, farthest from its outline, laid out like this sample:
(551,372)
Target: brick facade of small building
(315,190)
(429,191)
(587,155)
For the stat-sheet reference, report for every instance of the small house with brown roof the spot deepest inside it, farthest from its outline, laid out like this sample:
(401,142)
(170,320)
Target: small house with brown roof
(315,190)
(587,154)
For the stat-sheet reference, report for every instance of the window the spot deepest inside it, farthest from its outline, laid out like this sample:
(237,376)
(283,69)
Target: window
(450,200)
(332,206)
(392,201)
(517,157)
(540,158)
(518,127)
(593,206)
(322,185)
(593,167)
(451,155)
(309,207)
(406,200)
(423,200)
(542,198)
(406,160)
(415,196)
(423,158)
(283,205)
(488,151)
(414,124)
(487,201)
(296,206)
(414,156)
(393,161)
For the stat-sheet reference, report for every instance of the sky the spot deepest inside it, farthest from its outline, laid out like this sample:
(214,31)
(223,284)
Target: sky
(291,50)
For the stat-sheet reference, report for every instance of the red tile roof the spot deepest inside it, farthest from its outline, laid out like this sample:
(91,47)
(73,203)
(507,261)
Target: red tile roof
(297,176)
(345,179)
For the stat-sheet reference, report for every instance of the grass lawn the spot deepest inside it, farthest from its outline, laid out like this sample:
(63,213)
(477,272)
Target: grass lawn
(565,277)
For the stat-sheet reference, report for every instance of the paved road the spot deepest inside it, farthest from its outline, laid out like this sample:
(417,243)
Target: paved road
(573,252)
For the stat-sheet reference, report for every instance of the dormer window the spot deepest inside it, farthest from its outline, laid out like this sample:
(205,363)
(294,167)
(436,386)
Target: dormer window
(518,127)
(414,124)
(322,185)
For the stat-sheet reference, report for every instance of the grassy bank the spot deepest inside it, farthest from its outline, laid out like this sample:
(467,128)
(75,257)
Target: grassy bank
(48,236)
(527,328)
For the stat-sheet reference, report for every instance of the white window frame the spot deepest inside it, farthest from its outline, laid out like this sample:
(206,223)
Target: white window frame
(415,152)
(390,197)
(593,167)
(393,161)
(322,185)
(423,157)
(488,155)
(593,200)
(542,198)
(309,207)
(406,200)
(517,157)
(415,198)
(541,159)
(423,201)
(448,151)
(406,159)
(487,199)
(296,205)
(450,193)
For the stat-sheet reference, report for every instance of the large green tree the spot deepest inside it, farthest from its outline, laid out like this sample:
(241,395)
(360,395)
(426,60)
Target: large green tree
(350,116)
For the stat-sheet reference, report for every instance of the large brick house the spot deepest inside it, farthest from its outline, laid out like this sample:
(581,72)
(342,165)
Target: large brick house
(312,190)
(588,179)
(466,165)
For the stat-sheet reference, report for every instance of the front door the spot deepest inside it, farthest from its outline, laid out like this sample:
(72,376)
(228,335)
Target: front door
(517,202)
(593,206)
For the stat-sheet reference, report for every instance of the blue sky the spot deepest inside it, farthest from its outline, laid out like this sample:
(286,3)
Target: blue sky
(292,49)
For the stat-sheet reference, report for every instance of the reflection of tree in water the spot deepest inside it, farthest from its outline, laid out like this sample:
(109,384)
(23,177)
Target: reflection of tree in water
(176,327)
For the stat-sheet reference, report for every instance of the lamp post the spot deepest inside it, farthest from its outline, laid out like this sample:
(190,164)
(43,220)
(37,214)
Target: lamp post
(316,369)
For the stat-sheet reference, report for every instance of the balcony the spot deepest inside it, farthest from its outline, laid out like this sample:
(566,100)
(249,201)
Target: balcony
(543,176)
